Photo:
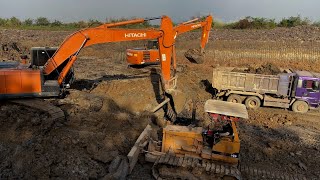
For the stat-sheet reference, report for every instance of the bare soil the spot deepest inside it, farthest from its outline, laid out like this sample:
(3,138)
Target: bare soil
(108,107)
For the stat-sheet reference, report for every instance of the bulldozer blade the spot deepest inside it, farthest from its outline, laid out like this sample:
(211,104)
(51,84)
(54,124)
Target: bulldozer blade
(194,56)
(178,100)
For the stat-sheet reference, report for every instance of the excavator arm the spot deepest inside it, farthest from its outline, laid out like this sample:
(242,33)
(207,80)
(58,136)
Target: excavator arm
(195,56)
(191,25)
(72,45)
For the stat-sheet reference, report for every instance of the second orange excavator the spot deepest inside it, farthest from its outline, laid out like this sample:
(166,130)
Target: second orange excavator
(150,53)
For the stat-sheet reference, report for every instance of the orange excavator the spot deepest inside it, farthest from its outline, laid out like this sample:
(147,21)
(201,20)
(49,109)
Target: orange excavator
(56,75)
(150,53)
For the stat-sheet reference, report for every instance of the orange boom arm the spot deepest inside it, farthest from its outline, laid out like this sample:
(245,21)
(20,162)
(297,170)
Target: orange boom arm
(72,45)
(191,25)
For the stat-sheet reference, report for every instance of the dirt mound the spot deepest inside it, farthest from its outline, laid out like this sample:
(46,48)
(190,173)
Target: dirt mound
(83,147)
(12,50)
(267,69)
(280,140)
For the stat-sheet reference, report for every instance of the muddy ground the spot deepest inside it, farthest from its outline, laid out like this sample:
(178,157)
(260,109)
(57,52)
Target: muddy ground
(108,107)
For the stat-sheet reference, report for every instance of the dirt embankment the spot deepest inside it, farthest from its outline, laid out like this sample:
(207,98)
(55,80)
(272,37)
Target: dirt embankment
(96,131)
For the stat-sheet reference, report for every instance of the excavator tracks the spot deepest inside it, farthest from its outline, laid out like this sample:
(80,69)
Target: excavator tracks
(173,167)
(54,112)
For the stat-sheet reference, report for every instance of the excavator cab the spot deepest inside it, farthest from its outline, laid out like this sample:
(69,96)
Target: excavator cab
(40,55)
(152,44)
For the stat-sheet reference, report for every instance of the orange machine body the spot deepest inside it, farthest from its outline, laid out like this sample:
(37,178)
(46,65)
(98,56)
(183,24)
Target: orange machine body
(141,56)
(186,141)
(50,80)
(146,56)
(25,82)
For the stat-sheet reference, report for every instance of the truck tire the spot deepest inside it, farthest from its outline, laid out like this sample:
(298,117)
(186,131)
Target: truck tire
(300,107)
(234,98)
(253,102)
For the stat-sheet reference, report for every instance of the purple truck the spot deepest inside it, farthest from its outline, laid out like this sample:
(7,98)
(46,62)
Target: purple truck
(299,90)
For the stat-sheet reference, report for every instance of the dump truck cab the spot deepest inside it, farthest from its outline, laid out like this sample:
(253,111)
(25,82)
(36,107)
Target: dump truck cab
(308,87)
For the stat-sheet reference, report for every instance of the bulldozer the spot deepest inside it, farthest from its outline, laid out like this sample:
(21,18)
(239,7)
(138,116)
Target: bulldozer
(209,152)
(179,148)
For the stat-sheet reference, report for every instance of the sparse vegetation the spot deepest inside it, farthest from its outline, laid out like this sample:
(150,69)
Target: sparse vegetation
(294,21)
(253,23)
(245,23)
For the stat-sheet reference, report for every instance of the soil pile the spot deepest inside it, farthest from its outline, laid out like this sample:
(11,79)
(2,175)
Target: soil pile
(12,50)
(267,69)
(281,140)
(82,147)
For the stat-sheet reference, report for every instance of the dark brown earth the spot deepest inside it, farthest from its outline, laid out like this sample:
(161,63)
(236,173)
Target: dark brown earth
(108,107)
(267,69)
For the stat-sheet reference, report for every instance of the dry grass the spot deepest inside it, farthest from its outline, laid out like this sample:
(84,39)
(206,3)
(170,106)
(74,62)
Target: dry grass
(296,55)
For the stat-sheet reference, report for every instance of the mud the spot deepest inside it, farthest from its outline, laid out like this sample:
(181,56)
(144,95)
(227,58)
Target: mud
(108,107)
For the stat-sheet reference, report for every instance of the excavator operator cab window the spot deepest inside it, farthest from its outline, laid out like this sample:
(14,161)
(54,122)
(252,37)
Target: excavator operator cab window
(153,44)
(220,127)
(40,55)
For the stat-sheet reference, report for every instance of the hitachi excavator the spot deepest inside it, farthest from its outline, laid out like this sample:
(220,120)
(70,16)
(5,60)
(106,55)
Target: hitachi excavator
(150,53)
(52,78)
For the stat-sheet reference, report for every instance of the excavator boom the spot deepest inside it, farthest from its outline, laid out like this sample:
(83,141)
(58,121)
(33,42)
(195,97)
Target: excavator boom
(87,37)
(72,45)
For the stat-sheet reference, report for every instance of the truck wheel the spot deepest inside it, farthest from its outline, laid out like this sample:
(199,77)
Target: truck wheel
(234,98)
(300,107)
(253,102)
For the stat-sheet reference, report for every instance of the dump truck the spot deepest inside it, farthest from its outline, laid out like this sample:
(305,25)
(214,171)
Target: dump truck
(297,90)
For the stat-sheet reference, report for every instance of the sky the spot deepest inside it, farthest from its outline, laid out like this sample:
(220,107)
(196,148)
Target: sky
(178,10)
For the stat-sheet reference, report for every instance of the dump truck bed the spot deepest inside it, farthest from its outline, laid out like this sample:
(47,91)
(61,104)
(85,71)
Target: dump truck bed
(247,82)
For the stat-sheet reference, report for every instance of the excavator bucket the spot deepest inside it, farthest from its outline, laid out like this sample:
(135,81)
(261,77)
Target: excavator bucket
(195,56)
(178,100)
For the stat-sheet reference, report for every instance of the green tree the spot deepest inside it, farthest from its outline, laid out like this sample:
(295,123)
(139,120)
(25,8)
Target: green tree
(56,23)
(42,21)
(3,22)
(13,21)
(28,22)
(294,21)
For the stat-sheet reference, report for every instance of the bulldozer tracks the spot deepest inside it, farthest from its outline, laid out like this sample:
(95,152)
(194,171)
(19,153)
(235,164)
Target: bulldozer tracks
(54,112)
(173,167)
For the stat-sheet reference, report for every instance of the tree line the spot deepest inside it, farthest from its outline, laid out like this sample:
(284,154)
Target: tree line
(265,23)
(245,23)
